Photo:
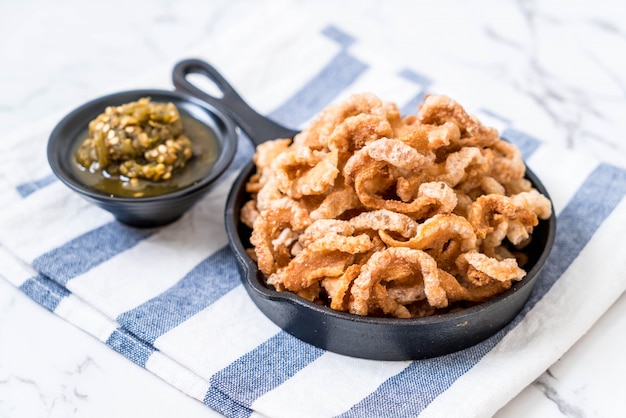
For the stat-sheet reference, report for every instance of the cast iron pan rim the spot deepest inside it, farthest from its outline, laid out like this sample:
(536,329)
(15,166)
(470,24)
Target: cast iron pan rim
(226,138)
(252,273)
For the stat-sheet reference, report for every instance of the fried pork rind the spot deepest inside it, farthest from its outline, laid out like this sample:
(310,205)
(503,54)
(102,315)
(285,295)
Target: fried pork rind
(384,220)
(300,171)
(336,203)
(444,236)
(282,215)
(437,110)
(393,278)
(326,257)
(376,214)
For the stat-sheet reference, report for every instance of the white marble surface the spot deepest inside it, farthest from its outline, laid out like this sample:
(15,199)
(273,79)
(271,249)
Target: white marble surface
(566,58)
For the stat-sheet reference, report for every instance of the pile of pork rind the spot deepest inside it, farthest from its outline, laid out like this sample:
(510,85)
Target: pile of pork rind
(376,214)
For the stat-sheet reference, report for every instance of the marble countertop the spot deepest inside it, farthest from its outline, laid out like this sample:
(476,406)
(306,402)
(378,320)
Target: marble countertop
(567,58)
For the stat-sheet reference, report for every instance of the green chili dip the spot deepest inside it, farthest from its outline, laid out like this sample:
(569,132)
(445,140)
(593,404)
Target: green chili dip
(142,149)
(141,139)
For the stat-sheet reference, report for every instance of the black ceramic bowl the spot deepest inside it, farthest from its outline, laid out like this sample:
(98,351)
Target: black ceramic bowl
(149,211)
(340,332)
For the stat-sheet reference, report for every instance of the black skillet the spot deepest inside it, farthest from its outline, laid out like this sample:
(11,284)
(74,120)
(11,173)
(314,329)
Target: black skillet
(344,333)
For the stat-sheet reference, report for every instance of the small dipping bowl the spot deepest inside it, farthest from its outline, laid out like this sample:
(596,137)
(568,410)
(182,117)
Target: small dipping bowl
(341,332)
(218,145)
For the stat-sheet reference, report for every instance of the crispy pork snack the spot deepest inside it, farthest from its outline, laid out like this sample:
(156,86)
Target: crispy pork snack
(376,214)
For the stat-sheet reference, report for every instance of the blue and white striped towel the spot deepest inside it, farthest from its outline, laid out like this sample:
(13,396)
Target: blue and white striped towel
(171,301)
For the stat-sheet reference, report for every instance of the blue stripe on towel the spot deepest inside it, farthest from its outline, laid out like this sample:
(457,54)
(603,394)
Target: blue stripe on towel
(26,189)
(130,347)
(208,281)
(497,116)
(88,250)
(526,143)
(256,371)
(410,391)
(339,36)
(44,291)
(226,405)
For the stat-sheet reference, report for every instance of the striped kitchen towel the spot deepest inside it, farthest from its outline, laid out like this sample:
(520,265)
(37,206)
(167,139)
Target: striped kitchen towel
(170,299)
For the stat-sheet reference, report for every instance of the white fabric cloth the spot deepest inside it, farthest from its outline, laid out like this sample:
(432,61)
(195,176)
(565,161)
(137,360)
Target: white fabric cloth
(170,299)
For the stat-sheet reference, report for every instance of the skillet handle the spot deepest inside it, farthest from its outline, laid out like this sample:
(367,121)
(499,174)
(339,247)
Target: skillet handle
(258,127)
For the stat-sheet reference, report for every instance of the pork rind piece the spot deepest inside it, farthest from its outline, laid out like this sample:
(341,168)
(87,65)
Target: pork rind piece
(495,216)
(394,152)
(300,171)
(444,237)
(394,277)
(318,134)
(481,268)
(336,203)
(326,257)
(283,215)
(384,220)
(374,213)
(438,110)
